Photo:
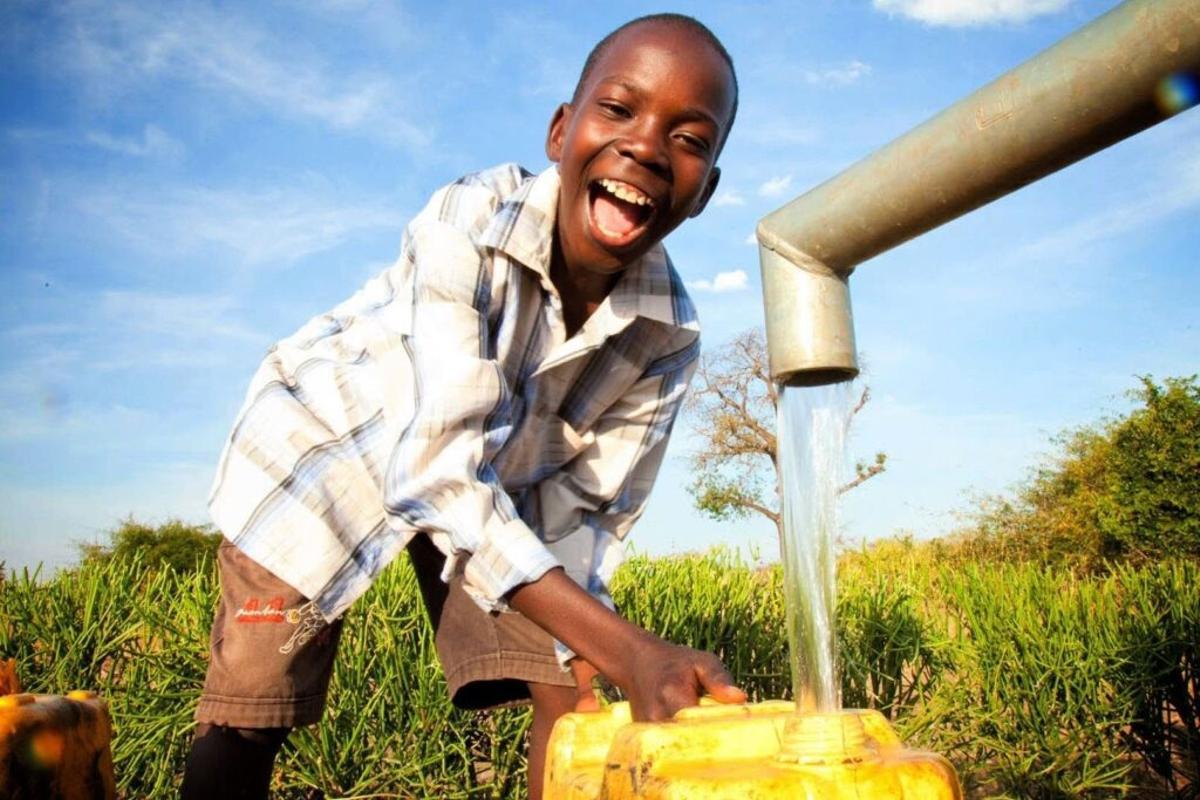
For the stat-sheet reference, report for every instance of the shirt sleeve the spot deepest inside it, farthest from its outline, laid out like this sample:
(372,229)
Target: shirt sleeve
(440,478)
(587,508)
(377,421)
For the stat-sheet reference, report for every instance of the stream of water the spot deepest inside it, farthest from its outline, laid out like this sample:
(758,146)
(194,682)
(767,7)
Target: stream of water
(812,427)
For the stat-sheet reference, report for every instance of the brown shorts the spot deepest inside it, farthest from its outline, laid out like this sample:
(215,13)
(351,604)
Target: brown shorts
(272,652)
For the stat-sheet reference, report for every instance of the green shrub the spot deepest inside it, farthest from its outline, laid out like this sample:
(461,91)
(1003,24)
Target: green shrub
(713,602)
(1125,489)
(891,657)
(1151,504)
(1033,702)
(175,544)
(1034,682)
(1158,668)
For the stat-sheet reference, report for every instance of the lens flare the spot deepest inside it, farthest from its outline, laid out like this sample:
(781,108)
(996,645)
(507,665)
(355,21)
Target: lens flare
(1177,92)
(46,748)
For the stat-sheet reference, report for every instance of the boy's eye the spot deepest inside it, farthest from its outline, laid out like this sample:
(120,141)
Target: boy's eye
(614,108)
(695,142)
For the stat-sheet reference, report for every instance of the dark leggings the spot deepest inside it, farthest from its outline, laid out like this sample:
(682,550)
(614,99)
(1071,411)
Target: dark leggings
(236,763)
(231,763)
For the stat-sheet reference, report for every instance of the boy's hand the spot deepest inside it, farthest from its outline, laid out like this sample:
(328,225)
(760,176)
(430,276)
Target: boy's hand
(666,677)
(658,677)
(585,692)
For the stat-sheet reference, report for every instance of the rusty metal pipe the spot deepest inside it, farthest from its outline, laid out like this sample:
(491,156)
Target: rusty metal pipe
(1088,91)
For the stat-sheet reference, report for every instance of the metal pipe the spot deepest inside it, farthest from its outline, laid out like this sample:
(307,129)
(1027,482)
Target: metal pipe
(1088,91)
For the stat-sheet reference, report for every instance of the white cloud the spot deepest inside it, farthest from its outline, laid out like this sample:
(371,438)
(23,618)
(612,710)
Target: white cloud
(41,330)
(732,281)
(53,418)
(38,524)
(775,186)
(774,130)
(33,134)
(117,46)
(728,198)
(115,330)
(1177,189)
(937,449)
(1108,224)
(154,143)
(963,13)
(751,239)
(275,227)
(178,316)
(550,56)
(841,75)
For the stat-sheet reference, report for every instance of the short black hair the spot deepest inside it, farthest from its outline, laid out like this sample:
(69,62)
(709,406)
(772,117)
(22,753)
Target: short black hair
(683,21)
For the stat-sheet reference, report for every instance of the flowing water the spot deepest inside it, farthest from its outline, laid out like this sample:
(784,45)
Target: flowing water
(812,434)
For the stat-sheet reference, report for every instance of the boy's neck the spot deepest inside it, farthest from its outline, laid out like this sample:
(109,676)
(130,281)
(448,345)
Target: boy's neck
(580,291)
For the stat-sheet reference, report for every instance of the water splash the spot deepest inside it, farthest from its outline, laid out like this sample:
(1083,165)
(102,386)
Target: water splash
(812,435)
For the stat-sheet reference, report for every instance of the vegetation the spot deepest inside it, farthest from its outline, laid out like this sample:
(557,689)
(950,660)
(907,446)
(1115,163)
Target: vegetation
(1035,682)
(175,544)
(732,408)
(1050,650)
(1127,489)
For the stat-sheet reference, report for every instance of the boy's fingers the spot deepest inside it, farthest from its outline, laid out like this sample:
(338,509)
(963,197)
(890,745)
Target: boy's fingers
(718,683)
(727,693)
(587,701)
(583,671)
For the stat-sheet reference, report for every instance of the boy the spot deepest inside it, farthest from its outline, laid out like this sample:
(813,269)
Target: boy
(499,402)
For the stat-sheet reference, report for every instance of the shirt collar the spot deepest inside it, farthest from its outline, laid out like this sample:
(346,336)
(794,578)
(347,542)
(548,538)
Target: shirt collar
(522,228)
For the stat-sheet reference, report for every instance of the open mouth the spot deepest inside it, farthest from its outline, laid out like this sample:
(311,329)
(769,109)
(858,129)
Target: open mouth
(619,211)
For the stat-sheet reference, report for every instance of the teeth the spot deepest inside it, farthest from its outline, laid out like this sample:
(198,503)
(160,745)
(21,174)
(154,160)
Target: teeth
(624,191)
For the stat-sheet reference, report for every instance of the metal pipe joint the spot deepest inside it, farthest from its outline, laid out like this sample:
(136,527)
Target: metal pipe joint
(1099,85)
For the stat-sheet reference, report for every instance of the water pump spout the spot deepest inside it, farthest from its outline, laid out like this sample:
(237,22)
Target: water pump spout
(1130,69)
(810,327)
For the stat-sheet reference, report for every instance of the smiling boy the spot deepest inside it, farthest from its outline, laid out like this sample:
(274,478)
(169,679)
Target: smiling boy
(498,402)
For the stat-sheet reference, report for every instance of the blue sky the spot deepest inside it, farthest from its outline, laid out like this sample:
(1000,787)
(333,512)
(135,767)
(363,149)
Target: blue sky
(182,184)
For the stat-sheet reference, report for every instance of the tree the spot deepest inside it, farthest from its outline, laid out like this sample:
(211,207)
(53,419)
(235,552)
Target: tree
(175,544)
(1151,505)
(1125,488)
(732,408)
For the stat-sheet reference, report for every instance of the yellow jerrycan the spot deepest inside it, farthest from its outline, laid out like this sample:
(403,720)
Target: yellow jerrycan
(55,748)
(760,751)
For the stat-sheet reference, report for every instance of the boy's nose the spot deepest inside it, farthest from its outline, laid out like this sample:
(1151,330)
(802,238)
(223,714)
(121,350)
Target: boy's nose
(645,144)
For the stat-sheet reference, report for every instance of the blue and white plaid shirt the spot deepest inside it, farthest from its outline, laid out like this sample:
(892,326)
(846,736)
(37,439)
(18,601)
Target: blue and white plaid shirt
(444,398)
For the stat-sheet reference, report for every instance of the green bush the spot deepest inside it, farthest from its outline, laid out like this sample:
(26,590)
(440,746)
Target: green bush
(1034,666)
(891,657)
(175,544)
(1150,506)
(1034,682)
(713,602)
(1158,668)
(1125,489)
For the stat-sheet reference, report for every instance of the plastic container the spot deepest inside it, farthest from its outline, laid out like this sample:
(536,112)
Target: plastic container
(55,748)
(758,751)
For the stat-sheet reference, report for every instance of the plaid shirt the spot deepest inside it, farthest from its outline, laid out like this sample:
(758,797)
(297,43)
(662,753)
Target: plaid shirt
(444,398)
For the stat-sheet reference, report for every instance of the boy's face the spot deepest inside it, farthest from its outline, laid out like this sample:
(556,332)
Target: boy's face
(637,150)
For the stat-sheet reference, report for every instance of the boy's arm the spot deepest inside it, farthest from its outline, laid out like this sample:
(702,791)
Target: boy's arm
(658,677)
(589,506)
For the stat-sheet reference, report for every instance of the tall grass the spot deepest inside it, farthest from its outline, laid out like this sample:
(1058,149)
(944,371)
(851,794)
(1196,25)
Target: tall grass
(1035,683)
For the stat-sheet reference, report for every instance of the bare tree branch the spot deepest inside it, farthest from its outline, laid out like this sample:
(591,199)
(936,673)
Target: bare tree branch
(863,474)
(732,409)
(862,400)
(766,512)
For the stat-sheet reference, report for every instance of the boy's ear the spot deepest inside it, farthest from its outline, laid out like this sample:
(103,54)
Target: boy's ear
(557,132)
(714,178)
